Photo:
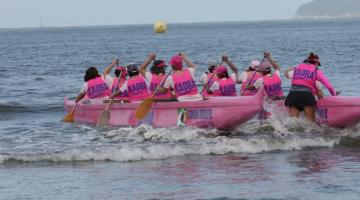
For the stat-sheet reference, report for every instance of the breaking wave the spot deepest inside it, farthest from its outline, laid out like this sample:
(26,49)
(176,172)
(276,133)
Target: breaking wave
(146,143)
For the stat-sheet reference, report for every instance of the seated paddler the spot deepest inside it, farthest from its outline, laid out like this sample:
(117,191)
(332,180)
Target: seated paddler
(136,86)
(225,85)
(97,86)
(208,78)
(270,81)
(182,80)
(156,76)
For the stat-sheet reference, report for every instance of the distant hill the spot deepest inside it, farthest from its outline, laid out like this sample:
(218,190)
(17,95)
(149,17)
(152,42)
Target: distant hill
(322,9)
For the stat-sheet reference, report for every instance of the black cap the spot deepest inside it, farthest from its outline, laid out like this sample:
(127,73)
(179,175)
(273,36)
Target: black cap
(132,68)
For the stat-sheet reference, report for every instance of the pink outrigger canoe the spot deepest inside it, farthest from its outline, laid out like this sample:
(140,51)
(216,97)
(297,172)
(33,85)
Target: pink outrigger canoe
(218,112)
(338,111)
(333,111)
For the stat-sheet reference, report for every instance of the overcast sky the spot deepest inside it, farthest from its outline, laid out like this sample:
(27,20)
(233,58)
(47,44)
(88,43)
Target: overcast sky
(28,13)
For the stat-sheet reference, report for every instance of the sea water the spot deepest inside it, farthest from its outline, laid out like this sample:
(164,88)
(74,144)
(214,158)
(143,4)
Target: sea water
(43,158)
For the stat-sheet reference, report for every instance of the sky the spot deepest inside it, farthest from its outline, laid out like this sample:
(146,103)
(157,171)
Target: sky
(33,13)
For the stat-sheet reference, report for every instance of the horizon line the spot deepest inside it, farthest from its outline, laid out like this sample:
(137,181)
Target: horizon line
(141,24)
(180,23)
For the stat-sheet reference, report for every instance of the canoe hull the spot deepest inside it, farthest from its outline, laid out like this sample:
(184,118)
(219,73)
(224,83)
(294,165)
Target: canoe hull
(334,111)
(220,112)
(338,111)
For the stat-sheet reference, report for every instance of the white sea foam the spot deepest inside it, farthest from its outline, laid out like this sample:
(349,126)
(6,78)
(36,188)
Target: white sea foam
(166,143)
(145,143)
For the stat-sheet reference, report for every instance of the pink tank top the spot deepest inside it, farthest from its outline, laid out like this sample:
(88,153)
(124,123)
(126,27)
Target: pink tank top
(305,75)
(137,88)
(123,95)
(184,84)
(213,79)
(245,83)
(97,88)
(155,81)
(272,86)
(226,87)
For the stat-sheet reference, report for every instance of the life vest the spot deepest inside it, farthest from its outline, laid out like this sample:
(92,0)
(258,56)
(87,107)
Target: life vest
(226,87)
(305,75)
(137,88)
(123,95)
(184,84)
(213,79)
(155,81)
(245,83)
(97,88)
(272,86)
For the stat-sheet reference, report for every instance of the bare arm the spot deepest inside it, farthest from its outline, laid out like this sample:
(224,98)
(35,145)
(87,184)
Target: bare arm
(163,90)
(319,93)
(165,87)
(271,60)
(108,69)
(233,67)
(116,93)
(79,97)
(187,61)
(251,87)
(286,73)
(147,61)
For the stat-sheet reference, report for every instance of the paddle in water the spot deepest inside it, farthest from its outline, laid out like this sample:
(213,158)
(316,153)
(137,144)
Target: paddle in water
(104,117)
(70,116)
(146,105)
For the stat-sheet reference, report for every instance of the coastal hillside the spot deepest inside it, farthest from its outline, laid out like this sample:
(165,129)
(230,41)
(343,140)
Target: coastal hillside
(323,9)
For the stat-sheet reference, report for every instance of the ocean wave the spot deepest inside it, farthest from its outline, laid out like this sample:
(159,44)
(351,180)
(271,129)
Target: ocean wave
(221,146)
(153,144)
(147,143)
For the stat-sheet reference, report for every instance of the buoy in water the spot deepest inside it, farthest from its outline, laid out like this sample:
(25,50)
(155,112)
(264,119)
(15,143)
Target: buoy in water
(160,27)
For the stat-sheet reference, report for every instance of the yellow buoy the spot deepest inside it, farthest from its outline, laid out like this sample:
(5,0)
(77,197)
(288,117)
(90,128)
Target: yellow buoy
(160,27)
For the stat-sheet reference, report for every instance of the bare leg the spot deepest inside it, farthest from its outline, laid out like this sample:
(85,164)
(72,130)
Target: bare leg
(294,112)
(310,113)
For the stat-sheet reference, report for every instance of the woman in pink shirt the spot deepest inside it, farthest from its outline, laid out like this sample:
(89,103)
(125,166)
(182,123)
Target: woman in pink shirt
(182,80)
(135,86)
(270,81)
(303,88)
(97,86)
(155,76)
(225,84)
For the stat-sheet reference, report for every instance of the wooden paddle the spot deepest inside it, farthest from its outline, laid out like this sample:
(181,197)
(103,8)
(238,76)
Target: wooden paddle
(104,117)
(146,105)
(252,78)
(70,116)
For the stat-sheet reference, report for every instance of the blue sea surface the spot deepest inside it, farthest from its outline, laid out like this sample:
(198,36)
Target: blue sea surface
(43,158)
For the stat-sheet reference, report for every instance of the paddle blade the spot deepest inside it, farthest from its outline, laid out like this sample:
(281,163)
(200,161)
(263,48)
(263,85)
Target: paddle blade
(103,118)
(69,118)
(144,108)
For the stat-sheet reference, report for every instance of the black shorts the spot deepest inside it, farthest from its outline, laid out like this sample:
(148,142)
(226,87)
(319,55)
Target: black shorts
(300,99)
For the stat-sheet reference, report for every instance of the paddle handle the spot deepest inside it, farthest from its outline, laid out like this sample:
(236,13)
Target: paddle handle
(209,81)
(202,91)
(114,90)
(74,108)
(252,78)
(161,84)
(117,83)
